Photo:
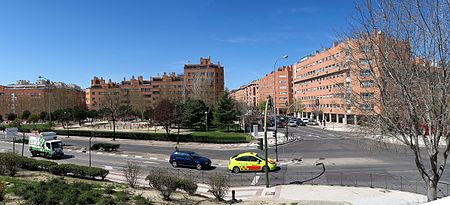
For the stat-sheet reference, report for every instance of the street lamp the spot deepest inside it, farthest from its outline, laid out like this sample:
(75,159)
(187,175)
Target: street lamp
(49,104)
(206,123)
(275,104)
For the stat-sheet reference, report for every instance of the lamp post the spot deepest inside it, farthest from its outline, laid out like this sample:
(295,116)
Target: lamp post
(206,121)
(49,104)
(275,104)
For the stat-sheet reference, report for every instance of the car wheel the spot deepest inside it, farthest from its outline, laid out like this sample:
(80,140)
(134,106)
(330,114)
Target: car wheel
(264,168)
(198,166)
(174,164)
(236,169)
(33,153)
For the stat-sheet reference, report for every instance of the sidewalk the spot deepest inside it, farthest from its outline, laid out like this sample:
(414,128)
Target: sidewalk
(307,194)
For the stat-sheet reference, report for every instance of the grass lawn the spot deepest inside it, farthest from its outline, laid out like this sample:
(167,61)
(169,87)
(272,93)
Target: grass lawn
(223,133)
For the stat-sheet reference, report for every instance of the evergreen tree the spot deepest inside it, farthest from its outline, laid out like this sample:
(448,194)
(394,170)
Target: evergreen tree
(194,113)
(224,113)
(26,114)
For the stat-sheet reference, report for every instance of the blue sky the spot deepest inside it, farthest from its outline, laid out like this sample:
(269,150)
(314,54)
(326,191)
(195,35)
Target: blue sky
(73,40)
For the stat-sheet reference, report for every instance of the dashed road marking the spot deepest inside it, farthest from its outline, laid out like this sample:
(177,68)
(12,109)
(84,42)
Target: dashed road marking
(124,155)
(99,152)
(138,156)
(153,158)
(255,180)
(148,162)
(108,167)
(112,154)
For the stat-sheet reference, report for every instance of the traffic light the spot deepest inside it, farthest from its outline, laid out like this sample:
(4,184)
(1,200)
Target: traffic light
(260,144)
(273,134)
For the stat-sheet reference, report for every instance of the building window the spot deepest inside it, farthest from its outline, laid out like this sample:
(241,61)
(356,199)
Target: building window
(283,87)
(366,83)
(282,76)
(283,93)
(366,106)
(282,82)
(93,93)
(366,95)
(363,62)
(365,72)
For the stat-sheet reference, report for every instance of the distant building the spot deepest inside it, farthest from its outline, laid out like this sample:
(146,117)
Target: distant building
(23,95)
(204,81)
(247,94)
(282,88)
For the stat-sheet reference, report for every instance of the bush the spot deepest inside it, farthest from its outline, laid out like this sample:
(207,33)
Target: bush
(36,165)
(78,171)
(9,163)
(30,127)
(210,137)
(131,172)
(108,147)
(219,186)
(20,141)
(140,200)
(57,191)
(164,183)
(2,190)
(188,186)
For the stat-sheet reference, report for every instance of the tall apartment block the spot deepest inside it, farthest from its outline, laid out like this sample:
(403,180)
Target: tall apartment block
(256,92)
(327,81)
(203,81)
(247,94)
(34,97)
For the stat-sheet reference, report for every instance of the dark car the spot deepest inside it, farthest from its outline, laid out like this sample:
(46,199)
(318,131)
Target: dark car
(189,159)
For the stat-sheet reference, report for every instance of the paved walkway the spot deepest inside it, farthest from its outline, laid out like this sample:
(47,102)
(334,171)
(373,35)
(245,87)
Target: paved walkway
(308,194)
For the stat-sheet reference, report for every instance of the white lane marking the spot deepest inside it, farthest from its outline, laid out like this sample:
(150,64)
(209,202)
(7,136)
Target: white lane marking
(99,152)
(69,150)
(255,180)
(108,167)
(138,156)
(153,158)
(148,162)
(124,155)
(112,154)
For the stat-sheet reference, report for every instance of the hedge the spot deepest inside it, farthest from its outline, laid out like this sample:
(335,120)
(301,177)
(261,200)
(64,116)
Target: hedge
(108,147)
(36,165)
(79,171)
(214,137)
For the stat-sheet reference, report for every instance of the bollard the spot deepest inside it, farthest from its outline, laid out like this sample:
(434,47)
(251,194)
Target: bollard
(371,181)
(233,195)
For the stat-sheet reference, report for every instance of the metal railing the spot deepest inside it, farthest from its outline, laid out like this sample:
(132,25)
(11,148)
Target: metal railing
(281,177)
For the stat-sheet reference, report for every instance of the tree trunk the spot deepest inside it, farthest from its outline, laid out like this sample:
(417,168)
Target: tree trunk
(431,191)
(114,130)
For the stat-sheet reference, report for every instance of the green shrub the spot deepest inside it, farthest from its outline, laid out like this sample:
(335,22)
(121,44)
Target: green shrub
(57,191)
(210,137)
(78,171)
(20,141)
(30,127)
(2,190)
(140,200)
(36,165)
(108,147)
(187,185)
(9,163)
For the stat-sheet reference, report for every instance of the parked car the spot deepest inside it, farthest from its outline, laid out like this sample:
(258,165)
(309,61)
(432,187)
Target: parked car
(293,123)
(189,159)
(301,123)
(313,122)
(249,161)
(305,120)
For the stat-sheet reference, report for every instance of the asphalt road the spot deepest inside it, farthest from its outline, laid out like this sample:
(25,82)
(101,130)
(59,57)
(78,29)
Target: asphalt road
(346,158)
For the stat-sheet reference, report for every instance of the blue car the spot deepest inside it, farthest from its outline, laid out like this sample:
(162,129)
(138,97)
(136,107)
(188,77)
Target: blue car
(189,159)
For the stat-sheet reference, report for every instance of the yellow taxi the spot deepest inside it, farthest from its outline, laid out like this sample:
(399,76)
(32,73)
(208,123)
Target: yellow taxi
(249,161)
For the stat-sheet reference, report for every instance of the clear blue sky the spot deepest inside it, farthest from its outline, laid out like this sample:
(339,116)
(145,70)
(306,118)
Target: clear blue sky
(73,40)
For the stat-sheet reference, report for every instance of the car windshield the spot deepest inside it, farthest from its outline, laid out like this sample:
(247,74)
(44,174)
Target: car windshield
(195,155)
(262,158)
(56,145)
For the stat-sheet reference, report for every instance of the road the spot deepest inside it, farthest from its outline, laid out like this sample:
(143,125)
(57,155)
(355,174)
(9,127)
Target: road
(347,161)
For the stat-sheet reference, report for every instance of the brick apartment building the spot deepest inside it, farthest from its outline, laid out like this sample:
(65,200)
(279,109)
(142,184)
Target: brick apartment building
(256,92)
(326,81)
(247,94)
(203,81)
(23,95)
(283,88)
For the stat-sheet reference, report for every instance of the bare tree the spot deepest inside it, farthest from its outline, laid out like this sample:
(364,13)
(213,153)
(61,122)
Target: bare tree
(163,115)
(203,88)
(131,172)
(401,49)
(110,104)
(139,102)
